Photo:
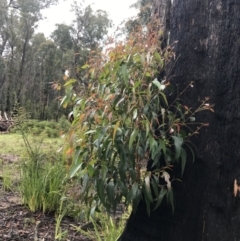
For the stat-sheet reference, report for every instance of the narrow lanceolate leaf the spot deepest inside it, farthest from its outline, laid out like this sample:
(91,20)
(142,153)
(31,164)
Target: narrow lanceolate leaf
(170,198)
(135,196)
(157,83)
(190,148)
(147,181)
(147,189)
(85,66)
(69,82)
(100,190)
(136,84)
(160,86)
(160,198)
(110,192)
(163,146)
(90,132)
(77,153)
(183,159)
(148,199)
(135,112)
(76,167)
(166,177)
(64,103)
(178,141)
(159,59)
(115,130)
(124,73)
(148,74)
(164,97)
(132,137)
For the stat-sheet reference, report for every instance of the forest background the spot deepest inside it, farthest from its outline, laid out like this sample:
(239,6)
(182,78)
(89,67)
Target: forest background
(31,62)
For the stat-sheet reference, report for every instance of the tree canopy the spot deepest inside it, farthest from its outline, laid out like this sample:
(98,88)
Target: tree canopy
(31,63)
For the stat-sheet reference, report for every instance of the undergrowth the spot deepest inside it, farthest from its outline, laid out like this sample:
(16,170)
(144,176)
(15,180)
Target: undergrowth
(41,183)
(51,129)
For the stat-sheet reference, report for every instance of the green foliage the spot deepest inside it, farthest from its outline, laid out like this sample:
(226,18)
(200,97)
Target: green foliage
(41,184)
(33,63)
(51,129)
(25,68)
(59,233)
(62,37)
(105,228)
(7,181)
(91,27)
(144,16)
(123,122)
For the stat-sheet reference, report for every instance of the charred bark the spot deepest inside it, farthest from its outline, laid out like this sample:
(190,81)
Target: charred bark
(208,35)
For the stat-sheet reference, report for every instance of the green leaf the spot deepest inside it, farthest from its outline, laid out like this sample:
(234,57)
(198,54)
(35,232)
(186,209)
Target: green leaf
(163,146)
(132,194)
(164,97)
(192,118)
(190,148)
(159,59)
(75,169)
(77,153)
(90,132)
(160,198)
(104,171)
(134,189)
(148,199)
(124,73)
(100,190)
(136,197)
(91,169)
(136,84)
(132,138)
(147,128)
(85,180)
(170,199)
(115,130)
(159,85)
(92,211)
(69,82)
(155,184)
(85,66)
(64,102)
(178,141)
(135,112)
(147,181)
(110,192)
(183,159)
(122,187)
(154,151)
(147,191)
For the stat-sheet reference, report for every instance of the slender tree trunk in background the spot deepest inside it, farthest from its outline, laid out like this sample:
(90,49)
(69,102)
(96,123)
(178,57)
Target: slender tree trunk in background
(208,35)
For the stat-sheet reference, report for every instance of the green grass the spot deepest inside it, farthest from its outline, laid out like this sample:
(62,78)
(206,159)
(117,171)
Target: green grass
(11,144)
(50,129)
(39,171)
(13,150)
(41,183)
(104,227)
(14,144)
(40,177)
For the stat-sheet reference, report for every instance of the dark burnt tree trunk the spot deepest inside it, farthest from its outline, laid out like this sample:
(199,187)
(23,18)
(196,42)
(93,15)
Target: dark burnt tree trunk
(208,35)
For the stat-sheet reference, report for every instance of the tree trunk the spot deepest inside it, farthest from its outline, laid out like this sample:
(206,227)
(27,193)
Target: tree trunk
(208,51)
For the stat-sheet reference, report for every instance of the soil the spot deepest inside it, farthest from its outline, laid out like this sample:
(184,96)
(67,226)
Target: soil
(17,222)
